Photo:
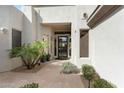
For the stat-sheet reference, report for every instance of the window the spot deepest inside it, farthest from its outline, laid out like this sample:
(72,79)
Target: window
(16,38)
(84,43)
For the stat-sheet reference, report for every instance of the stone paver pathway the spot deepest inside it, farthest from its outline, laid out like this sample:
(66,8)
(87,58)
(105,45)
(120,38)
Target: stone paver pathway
(47,75)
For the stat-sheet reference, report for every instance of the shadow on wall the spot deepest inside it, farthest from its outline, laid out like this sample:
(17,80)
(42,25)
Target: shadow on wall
(31,30)
(28,34)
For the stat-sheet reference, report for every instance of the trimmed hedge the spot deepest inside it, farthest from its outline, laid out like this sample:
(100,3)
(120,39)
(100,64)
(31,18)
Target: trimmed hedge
(95,81)
(88,71)
(101,83)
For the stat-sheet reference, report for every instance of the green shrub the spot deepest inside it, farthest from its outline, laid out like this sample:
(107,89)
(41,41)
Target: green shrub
(32,85)
(13,52)
(88,72)
(48,57)
(101,83)
(69,68)
(29,53)
(44,57)
(95,76)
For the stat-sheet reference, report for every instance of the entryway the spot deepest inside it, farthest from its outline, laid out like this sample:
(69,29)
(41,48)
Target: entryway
(62,47)
(59,38)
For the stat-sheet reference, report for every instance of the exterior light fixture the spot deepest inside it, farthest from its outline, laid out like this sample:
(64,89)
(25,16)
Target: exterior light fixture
(3,30)
(85,16)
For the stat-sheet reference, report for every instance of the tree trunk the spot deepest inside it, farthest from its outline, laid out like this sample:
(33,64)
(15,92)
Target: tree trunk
(23,61)
(29,67)
(89,84)
(36,61)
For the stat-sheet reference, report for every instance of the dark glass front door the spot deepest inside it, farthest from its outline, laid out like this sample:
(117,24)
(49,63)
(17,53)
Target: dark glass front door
(62,47)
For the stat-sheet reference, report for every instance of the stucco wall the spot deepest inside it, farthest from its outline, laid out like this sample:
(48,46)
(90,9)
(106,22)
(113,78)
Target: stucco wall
(73,14)
(47,35)
(4,38)
(56,14)
(8,19)
(107,45)
(27,24)
(77,24)
(31,25)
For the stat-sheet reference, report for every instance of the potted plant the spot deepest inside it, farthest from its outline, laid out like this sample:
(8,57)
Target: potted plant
(44,58)
(48,57)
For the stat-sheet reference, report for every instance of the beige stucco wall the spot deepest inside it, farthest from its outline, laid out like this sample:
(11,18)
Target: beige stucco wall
(73,15)
(30,25)
(10,18)
(28,22)
(48,35)
(107,45)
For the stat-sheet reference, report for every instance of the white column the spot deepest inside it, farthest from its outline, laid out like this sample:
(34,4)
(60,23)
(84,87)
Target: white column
(75,34)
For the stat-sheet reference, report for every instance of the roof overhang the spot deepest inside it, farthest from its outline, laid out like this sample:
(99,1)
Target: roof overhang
(58,26)
(101,13)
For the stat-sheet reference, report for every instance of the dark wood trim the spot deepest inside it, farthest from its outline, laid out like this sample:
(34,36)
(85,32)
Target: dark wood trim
(104,12)
(62,33)
(93,12)
(83,33)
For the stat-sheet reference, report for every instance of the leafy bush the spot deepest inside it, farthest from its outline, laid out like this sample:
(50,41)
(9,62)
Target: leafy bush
(32,85)
(43,58)
(95,76)
(48,57)
(88,72)
(13,52)
(95,81)
(30,53)
(101,83)
(69,68)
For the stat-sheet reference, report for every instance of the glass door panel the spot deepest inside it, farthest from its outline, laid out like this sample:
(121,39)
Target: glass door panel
(62,47)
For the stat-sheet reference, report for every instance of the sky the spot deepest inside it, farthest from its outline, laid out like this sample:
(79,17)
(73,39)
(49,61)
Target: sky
(20,7)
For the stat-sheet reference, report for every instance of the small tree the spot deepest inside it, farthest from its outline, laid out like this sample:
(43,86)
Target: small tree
(30,53)
(88,72)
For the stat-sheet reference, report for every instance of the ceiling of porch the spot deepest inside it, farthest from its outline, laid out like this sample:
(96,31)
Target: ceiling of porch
(59,26)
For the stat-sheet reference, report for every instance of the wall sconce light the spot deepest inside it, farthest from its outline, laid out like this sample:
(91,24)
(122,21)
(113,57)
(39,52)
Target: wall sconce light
(85,16)
(3,30)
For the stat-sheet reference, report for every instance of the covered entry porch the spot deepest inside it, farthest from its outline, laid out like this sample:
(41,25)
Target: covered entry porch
(58,36)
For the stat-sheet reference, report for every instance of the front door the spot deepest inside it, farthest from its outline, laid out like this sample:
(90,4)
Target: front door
(62,47)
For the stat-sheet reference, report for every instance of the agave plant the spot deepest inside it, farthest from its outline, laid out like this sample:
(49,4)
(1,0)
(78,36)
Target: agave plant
(30,53)
(68,68)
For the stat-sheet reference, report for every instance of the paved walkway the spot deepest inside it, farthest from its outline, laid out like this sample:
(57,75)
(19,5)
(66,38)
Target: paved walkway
(47,75)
